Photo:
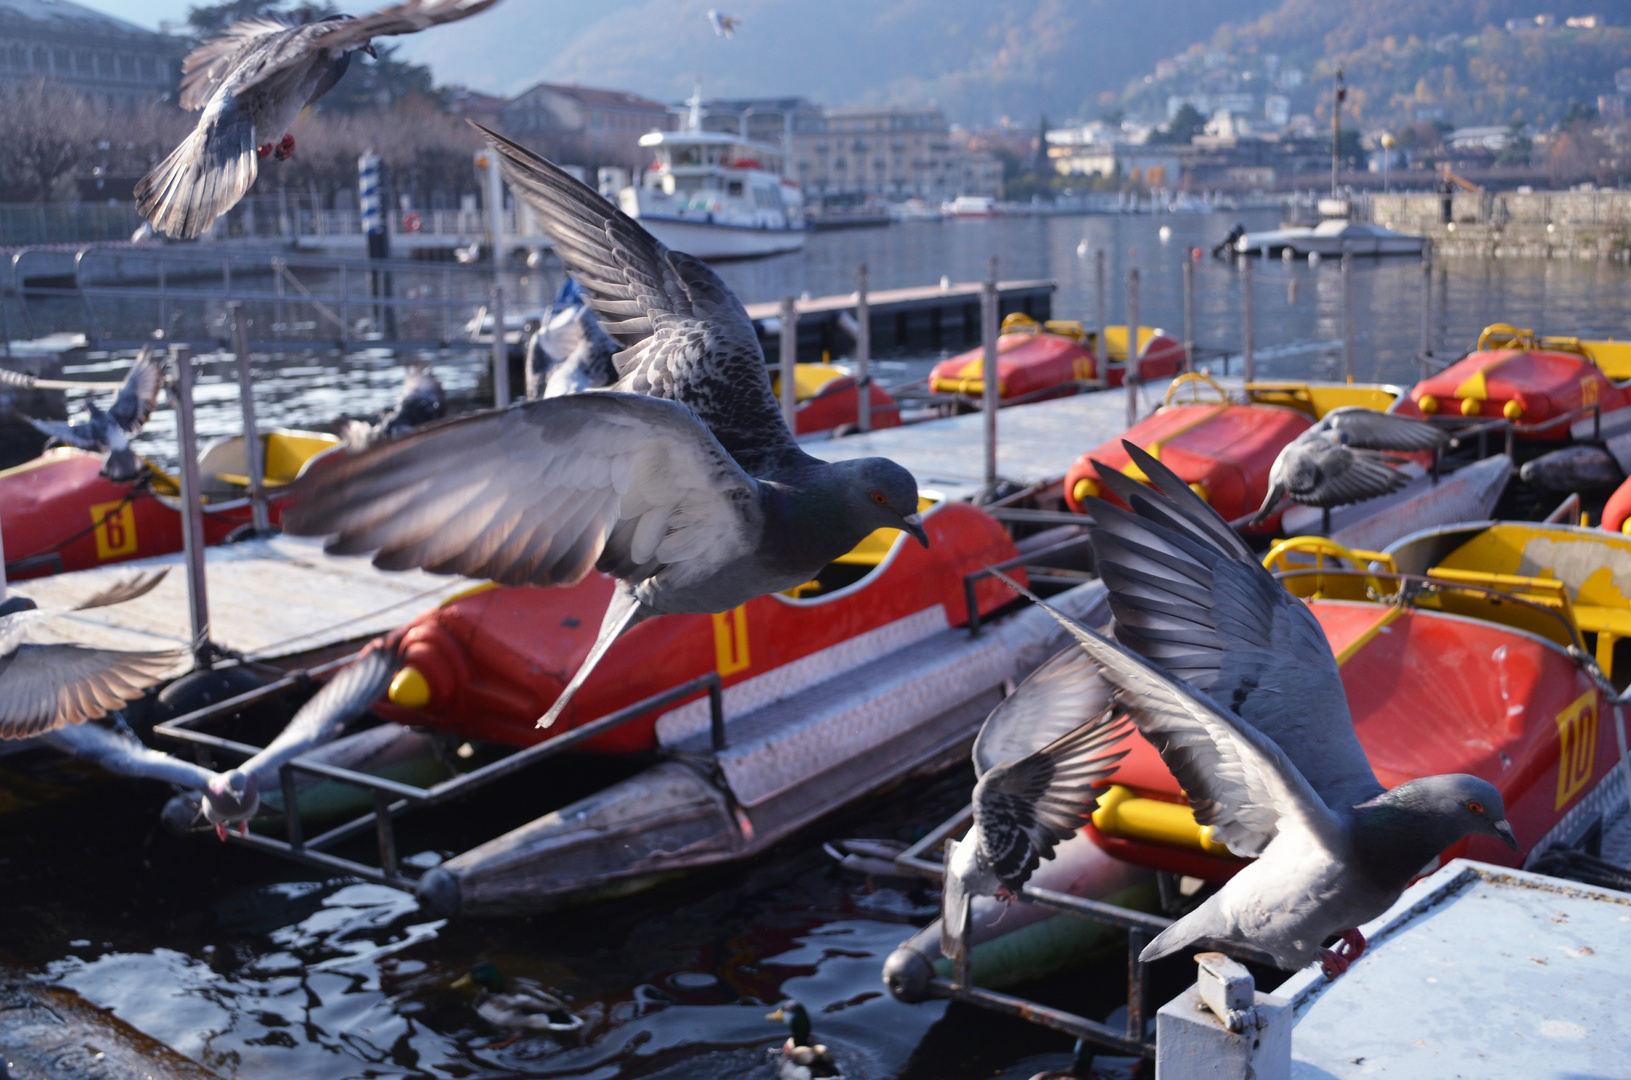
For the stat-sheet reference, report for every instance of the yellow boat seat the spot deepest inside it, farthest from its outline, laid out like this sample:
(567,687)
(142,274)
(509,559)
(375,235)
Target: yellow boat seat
(1316,401)
(808,379)
(1548,593)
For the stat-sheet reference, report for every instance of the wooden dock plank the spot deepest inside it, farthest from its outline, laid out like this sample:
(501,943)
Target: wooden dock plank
(268,598)
(958,292)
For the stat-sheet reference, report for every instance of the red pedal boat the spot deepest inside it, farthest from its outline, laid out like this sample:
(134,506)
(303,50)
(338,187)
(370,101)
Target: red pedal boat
(487,664)
(1043,360)
(60,514)
(1222,448)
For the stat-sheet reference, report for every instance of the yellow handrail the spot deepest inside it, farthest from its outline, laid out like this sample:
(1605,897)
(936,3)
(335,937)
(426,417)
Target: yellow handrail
(1278,560)
(1195,377)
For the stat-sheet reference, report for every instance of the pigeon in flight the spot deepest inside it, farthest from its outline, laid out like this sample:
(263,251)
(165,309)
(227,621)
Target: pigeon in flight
(251,83)
(569,353)
(1336,462)
(47,682)
(1039,765)
(110,432)
(1232,680)
(422,400)
(724,25)
(682,481)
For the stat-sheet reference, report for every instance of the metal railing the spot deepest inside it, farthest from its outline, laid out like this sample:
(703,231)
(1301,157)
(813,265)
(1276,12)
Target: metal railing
(1038,573)
(392,798)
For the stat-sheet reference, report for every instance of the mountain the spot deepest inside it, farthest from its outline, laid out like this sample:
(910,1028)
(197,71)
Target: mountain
(979,61)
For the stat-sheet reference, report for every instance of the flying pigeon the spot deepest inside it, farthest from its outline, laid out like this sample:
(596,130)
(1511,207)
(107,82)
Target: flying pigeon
(1039,757)
(421,401)
(110,432)
(569,353)
(251,83)
(683,481)
(1335,462)
(724,25)
(47,682)
(1232,680)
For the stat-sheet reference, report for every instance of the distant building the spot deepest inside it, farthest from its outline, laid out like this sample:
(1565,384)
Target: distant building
(1611,106)
(1585,22)
(773,121)
(1493,137)
(485,109)
(583,126)
(107,60)
(894,153)
(1622,81)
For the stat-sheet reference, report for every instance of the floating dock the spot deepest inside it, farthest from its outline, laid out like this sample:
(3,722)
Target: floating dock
(929,317)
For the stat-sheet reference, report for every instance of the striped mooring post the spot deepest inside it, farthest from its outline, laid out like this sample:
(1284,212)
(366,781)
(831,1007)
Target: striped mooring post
(370,201)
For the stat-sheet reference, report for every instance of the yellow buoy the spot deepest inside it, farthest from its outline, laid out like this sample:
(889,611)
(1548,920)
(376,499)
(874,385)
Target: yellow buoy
(1085,489)
(1428,404)
(1512,411)
(409,689)
(1470,406)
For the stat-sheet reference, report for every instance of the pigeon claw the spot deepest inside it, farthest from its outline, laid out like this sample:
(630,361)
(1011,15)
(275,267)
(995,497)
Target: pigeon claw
(1334,962)
(285,148)
(262,151)
(221,831)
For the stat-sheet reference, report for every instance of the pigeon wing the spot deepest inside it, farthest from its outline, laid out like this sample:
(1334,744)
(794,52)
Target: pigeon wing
(330,711)
(407,18)
(1368,429)
(1024,809)
(206,67)
(1238,781)
(1055,700)
(79,435)
(139,393)
(1203,609)
(540,493)
(45,687)
(1326,473)
(685,335)
(126,588)
(125,755)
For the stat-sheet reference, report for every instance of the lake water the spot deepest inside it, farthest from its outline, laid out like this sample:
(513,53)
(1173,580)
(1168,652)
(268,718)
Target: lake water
(259,970)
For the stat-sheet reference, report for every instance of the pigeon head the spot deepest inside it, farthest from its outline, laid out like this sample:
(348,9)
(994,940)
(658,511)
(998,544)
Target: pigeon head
(1434,812)
(231,797)
(882,495)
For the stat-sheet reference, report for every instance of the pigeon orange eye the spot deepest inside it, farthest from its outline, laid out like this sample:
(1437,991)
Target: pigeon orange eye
(880,498)
(1476,807)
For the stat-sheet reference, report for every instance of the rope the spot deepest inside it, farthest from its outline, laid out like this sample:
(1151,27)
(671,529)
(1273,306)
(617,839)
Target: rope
(137,490)
(34,382)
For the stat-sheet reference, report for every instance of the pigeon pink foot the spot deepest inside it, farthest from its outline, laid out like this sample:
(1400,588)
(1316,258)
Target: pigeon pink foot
(1334,962)
(285,148)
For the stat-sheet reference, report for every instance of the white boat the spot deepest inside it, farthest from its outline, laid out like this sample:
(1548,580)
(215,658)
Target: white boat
(915,210)
(1330,237)
(1185,203)
(717,196)
(970,206)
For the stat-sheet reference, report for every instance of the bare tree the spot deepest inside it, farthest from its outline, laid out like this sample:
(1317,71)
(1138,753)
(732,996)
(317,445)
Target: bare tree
(47,131)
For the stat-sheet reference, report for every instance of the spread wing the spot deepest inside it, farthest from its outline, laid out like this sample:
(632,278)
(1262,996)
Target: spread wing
(139,393)
(1238,781)
(539,493)
(1368,429)
(685,335)
(79,435)
(1055,700)
(330,711)
(1023,809)
(408,18)
(126,588)
(1190,597)
(206,67)
(1326,473)
(126,756)
(45,687)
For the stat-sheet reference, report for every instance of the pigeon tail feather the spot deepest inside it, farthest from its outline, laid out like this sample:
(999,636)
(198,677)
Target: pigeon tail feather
(202,178)
(624,612)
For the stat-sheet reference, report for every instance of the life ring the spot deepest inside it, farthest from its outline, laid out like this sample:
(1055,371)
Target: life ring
(412,222)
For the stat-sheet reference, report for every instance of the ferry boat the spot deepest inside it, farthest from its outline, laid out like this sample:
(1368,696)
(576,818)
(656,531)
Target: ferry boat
(717,196)
(59,513)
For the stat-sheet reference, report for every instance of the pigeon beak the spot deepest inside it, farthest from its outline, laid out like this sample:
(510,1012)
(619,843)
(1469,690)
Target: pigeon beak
(914,525)
(369,49)
(776,1016)
(1504,831)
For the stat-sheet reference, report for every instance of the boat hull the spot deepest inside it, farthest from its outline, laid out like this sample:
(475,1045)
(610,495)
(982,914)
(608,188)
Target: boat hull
(1546,390)
(707,240)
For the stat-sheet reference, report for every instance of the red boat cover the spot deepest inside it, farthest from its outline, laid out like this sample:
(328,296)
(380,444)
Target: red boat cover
(1544,385)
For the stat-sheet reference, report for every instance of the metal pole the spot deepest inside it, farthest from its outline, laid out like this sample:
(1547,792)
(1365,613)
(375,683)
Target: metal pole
(1248,321)
(1189,313)
(1426,309)
(788,362)
(1130,379)
(501,351)
(863,352)
(990,368)
(1347,314)
(254,455)
(1103,311)
(192,507)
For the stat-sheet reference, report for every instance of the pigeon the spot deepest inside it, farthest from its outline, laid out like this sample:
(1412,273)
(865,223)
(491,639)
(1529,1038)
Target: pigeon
(1039,757)
(1573,469)
(47,682)
(724,25)
(110,432)
(1335,462)
(682,481)
(421,401)
(569,353)
(251,83)
(1233,682)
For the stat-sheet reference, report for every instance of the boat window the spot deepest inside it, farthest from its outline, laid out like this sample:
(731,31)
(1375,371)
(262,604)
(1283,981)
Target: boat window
(687,183)
(734,187)
(687,155)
